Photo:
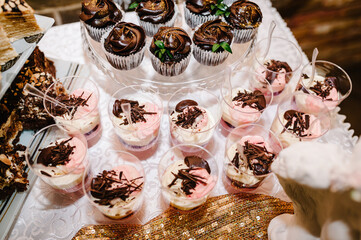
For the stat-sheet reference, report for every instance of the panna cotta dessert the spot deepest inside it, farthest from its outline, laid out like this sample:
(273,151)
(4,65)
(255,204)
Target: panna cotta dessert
(143,131)
(191,123)
(61,163)
(117,192)
(187,181)
(294,126)
(277,73)
(248,161)
(245,107)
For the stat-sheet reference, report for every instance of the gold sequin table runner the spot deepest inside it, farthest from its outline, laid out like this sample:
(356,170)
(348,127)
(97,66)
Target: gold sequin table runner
(231,216)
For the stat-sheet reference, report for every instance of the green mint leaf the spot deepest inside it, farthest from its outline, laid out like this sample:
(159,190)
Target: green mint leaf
(169,54)
(225,46)
(213,7)
(227,14)
(162,58)
(219,1)
(222,7)
(163,51)
(159,44)
(219,13)
(134,5)
(215,47)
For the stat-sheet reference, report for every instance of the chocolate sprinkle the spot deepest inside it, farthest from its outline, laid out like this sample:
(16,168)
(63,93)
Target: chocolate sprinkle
(102,187)
(297,122)
(195,161)
(275,66)
(137,111)
(252,99)
(184,104)
(71,101)
(187,118)
(323,89)
(56,155)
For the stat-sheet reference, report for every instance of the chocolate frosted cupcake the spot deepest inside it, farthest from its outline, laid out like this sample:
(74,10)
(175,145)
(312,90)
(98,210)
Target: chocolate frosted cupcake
(170,51)
(154,14)
(212,42)
(197,12)
(124,45)
(245,17)
(99,16)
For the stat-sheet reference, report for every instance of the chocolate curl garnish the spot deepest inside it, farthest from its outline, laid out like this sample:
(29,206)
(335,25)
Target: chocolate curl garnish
(102,187)
(187,118)
(297,122)
(137,111)
(276,66)
(259,159)
(323,89)
(197,162)
(69,100)
(184,104)
(252,99)
(56,155)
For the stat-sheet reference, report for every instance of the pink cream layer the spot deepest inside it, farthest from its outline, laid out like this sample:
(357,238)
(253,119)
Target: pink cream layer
(129,172)
(315,129)
(151,126)
(76,162)
(201,121)
(279,82)
(244,114)
(91,106)
(256,140)
(316,104)
(202,190)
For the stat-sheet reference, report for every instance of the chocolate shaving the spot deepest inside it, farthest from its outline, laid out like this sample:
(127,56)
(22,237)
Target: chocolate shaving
(275,66)
(137,111)
(69,100)
(252,99)
(184,104)
(195,161)
(102,187)
(187,118)
(56,155)
(45,173)
(323,89)
(297,122)
(189,180)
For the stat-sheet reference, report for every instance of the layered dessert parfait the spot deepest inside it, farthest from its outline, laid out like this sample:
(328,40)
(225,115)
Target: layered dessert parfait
(117,193)
(62,163)
(191,123)
(142,132)
(245,107)
(294,126)
(277,73)
(187,182)
(248,161)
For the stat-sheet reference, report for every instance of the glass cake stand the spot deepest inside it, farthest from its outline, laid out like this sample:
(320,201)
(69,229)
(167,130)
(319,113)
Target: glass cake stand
(209,77)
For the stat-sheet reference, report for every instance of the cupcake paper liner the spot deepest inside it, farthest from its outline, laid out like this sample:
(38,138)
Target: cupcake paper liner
(209,58)
(152,28)
(170,69)
(123,62)
(193,20)
(242,35)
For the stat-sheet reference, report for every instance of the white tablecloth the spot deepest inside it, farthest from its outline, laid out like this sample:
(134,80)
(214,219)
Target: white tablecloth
(50,215)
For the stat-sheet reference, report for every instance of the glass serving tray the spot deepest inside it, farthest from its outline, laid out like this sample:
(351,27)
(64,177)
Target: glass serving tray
(144,74)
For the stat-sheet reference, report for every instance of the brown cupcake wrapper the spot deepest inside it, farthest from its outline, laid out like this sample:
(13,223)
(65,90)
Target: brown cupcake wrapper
(209,58)
(123,62)
(171,69)
(152,28)
(193,20)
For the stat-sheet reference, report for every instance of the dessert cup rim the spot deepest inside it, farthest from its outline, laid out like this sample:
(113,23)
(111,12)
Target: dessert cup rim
(77,135)
(257,46)
(96,90)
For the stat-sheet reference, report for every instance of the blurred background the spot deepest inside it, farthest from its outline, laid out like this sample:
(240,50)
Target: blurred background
(333,26)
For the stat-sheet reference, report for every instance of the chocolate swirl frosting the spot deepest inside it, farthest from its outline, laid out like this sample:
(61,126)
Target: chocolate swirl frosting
(155,11)
(202,7)
(100,13)
(244,14)
(125,39)
(213,32)
(176,40)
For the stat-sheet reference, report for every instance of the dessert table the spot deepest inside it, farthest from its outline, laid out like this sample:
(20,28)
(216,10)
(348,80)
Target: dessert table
(47,214)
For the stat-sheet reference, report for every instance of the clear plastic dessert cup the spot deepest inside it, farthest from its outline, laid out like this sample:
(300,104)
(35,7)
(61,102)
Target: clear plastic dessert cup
(250,151)
(116,184)
(58,157)
(295,122)
(193,114)
(187,179)
(244,99)
(272,66)
(146,113)
(330,85)
(81,113)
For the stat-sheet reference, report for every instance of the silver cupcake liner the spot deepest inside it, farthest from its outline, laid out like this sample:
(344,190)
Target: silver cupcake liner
(123,62)
(209,58)
(152,28)
(170,69)
(193,20)
(242,35)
